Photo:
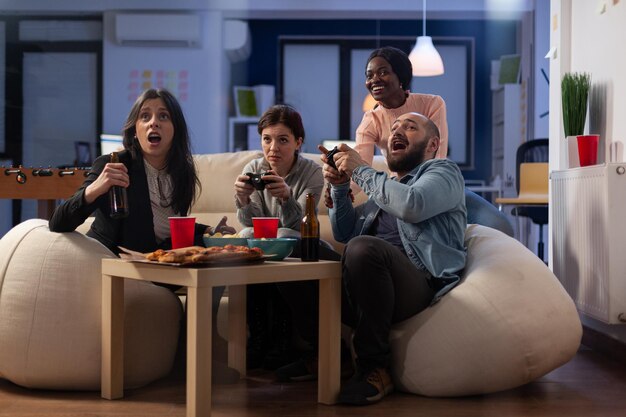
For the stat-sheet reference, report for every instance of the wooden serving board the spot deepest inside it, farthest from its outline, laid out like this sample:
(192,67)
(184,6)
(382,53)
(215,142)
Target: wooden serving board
(134,256)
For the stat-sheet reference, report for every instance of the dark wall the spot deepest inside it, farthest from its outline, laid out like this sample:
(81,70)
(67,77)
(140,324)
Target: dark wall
(492,39)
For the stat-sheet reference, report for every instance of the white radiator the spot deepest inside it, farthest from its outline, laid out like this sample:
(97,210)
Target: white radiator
(589,238)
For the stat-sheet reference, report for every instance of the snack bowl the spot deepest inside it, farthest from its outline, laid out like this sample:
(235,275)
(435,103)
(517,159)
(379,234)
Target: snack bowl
(210,241)
(280,247)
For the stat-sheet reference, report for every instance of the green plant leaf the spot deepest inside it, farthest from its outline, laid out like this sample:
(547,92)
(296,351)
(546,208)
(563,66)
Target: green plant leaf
(574,95)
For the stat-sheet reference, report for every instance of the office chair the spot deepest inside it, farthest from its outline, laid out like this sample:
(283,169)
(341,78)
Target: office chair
(532,151)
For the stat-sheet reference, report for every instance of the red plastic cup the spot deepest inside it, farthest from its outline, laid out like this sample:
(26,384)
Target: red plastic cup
(181,230)
(265,227)
(588,149)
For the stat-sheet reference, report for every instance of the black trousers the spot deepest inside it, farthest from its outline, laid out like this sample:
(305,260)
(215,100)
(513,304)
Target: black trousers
(380,287)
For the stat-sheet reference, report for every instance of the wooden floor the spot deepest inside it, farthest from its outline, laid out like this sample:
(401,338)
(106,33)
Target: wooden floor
(588,386)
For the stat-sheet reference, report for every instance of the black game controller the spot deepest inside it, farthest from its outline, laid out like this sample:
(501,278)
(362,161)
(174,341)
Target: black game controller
(257,181)
(329,157)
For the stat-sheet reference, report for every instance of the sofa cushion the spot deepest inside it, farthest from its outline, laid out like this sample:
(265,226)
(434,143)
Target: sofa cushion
(507,323)
(217,173)
(50,312)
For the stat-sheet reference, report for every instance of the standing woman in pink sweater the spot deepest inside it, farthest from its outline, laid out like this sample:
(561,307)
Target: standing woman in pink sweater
(388,76)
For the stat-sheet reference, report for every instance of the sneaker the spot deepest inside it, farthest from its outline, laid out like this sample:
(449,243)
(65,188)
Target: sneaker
(301,370)
(366,388)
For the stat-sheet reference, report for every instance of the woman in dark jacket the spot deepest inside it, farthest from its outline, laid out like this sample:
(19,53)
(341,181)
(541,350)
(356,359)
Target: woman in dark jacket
(156,168)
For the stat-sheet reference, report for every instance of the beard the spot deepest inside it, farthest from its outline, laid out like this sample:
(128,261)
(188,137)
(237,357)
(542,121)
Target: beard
(408,161)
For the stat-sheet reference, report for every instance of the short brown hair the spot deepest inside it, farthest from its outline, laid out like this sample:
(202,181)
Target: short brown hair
(282,113)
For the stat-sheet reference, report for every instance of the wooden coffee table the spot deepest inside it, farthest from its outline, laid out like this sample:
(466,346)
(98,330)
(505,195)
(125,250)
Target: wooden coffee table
(200,283)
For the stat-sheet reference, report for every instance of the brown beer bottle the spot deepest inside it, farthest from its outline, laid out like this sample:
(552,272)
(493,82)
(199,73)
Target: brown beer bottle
(118,198)
(310,233)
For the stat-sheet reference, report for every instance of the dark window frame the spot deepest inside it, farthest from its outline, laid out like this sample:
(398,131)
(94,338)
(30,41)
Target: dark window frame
(14,99)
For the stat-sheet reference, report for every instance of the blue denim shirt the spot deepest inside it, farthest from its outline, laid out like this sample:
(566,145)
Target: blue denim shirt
(429,205)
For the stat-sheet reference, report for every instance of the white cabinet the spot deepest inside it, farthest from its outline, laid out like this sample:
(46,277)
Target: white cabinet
(508,133)
(239,133)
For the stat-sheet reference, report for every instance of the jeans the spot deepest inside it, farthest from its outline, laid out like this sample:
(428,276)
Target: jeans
(481,211)
(381,287)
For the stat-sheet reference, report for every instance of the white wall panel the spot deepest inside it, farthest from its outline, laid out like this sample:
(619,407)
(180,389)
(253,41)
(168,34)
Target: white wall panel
(358,89)
(197,76)
(311,85)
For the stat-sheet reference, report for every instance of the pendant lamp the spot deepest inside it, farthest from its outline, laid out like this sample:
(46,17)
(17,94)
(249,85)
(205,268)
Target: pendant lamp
(424,58)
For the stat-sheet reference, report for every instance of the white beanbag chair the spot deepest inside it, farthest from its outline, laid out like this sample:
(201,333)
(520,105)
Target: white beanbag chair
(50,312)
(507,323)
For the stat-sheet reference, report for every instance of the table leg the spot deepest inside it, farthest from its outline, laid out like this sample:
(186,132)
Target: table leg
(237,335)
(329,365)
(199,322)
(112,371)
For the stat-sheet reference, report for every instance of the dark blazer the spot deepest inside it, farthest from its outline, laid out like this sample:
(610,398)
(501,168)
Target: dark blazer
(136,232)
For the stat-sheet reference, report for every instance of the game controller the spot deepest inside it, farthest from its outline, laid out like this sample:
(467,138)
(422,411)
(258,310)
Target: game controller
(257,181)
(329,157)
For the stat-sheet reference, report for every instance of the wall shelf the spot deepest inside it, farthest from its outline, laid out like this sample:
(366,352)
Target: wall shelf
(238,132)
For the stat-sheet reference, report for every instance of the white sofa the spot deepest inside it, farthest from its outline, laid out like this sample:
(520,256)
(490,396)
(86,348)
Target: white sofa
(217,174)
(507,323)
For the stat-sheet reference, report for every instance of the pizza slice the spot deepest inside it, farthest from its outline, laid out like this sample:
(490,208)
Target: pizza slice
(197,254)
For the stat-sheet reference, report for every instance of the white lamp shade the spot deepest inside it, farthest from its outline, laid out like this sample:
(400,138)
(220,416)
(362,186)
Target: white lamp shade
(425,59)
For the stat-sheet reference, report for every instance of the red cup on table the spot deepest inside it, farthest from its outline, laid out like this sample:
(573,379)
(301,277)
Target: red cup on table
(265,227)
(182,231)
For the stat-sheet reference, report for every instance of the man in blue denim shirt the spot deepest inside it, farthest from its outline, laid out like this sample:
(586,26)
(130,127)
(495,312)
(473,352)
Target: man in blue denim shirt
(405,245)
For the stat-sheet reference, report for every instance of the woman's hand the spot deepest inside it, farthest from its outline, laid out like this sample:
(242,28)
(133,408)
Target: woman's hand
(243,190)
(112,174)
(277,186)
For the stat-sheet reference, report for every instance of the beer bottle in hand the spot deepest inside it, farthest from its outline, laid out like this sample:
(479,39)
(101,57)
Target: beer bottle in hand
(310,232)
(118,199)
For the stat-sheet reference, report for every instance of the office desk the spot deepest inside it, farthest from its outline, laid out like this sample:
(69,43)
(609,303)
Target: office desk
(528,200)
(481,189)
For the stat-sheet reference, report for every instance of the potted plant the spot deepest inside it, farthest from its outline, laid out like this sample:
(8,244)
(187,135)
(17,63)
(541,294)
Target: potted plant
(574,95)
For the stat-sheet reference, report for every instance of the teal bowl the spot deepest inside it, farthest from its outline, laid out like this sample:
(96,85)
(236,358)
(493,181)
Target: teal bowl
(279,247)
(223,241)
